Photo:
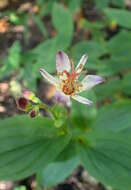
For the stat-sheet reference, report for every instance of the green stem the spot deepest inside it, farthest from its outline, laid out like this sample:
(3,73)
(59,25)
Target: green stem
(46,107)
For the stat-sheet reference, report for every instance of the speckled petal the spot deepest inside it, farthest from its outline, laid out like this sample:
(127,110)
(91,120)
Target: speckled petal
(62,62)
(81,63)
(49,78)
(90,81)
(82,100)
(62,98)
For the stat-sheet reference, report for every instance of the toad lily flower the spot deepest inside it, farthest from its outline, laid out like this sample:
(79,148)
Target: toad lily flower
(67,82)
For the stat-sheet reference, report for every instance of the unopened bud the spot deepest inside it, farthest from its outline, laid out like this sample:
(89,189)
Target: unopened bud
(27,94)
(32,113)
(30,96)
(22,103)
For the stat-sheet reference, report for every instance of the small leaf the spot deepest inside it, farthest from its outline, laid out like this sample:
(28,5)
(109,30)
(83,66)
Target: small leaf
(14,56)
(63,21)
(12,62)
(121,16)
(37,19)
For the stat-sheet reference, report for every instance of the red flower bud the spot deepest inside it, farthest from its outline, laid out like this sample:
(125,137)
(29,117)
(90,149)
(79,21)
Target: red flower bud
(27,94)
(32,113)
(22,103)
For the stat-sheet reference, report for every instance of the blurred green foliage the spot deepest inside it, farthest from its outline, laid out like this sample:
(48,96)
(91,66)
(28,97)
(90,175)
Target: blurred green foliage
(20,188)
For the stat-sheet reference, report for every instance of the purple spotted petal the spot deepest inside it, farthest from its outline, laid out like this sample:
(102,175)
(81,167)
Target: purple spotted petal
(81,63)
(49,78)
(90,81)
(62,62)
(62,98)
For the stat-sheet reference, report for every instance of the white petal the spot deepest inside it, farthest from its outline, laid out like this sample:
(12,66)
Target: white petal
(81,63)
(49,77)
(62,98)
(90,81)
(82,99)
(62,62)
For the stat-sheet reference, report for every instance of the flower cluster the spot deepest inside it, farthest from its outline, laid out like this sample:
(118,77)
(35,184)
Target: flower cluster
(29,103)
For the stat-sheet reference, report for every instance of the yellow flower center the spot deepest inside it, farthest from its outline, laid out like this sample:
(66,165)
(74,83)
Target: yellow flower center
(70,85)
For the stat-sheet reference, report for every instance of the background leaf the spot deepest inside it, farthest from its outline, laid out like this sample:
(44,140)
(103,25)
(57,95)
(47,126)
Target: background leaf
(63,23)
(13,61)
(120,16)
(94,50)
(116,116)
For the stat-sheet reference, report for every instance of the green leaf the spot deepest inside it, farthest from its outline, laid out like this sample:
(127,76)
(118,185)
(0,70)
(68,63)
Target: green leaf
(45,7)
(12,62)
(116,116)
(30,78)
(14,18)
(46,54)
(60,114)
(14,56)
(94,50)
(20,188)
(101,4)
(115,47)
(126,84)
(61,168)
(81,113)
(120,16)
(63,22)
(119,55)
(58,171)
(114,65)
(108,90)
(119,3)
(74,5)
(26,145)
(37,19)
(106,156)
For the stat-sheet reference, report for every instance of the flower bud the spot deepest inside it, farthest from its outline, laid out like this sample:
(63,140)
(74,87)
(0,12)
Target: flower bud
(27,94)
(22,103)
(32,113)
(30,96)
